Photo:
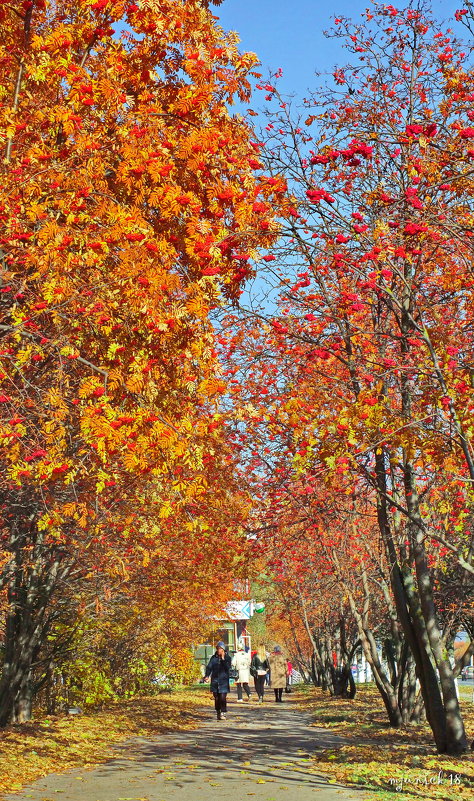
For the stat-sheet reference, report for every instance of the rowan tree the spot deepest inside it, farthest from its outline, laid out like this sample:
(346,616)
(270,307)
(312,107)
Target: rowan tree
(367,364)
(129,208)
(323,548)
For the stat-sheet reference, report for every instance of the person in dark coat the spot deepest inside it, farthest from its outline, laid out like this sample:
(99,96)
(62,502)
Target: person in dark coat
(259,668)
(217,673)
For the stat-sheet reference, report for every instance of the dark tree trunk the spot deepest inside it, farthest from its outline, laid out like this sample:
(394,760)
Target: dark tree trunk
(343,682)
(419,712)
(33,580)
(315,675)
(415,629)
(455,735)
(15,682)
(407,694)
(24,700)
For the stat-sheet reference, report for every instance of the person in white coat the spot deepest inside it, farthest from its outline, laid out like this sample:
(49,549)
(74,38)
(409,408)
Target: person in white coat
(241,663)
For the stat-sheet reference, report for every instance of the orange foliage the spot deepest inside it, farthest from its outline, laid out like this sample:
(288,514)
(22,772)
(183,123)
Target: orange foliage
(129,209)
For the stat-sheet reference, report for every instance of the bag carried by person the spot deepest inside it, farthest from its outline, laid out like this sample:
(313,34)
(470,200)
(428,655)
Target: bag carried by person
(253,668)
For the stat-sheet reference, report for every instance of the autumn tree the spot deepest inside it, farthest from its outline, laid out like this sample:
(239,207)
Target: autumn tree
(369,360)
(329,557)
(129,208)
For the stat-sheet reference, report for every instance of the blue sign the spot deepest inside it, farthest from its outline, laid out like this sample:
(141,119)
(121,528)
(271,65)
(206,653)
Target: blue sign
(246,610)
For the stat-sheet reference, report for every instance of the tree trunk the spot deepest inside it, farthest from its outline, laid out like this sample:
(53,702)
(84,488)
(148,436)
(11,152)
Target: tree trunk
(24,700)
(442,708)
(407,694)
(413,625)
(455,735)
(15,682)
(419,712)
(304,666)
(315,676)
(385,687)
(29,593)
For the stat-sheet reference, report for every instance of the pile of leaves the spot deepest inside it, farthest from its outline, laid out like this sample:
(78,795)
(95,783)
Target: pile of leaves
(29,751)
(387,760)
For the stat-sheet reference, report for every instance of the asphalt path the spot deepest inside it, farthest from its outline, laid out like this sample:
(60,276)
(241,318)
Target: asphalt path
(263,752)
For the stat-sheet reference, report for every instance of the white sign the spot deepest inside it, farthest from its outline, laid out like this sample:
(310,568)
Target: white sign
(239,610)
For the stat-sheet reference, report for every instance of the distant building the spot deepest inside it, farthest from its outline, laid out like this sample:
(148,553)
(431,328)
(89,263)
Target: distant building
(232,629)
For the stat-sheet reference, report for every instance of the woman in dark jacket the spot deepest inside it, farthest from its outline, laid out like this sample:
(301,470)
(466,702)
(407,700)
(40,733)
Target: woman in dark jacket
(217,672)
(259,667)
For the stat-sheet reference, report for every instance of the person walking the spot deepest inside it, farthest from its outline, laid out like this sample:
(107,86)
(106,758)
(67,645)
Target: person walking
(217,673)
(241,662)
(279,669)
(259,668)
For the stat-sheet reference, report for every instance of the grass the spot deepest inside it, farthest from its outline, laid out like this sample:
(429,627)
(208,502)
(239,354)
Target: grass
(45,745)
(388,763)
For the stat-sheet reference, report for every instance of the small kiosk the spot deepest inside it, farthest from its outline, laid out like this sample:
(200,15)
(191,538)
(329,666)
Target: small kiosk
(232,630)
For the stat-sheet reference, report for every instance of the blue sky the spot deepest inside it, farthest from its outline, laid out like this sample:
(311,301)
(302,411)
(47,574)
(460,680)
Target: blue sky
(289,33)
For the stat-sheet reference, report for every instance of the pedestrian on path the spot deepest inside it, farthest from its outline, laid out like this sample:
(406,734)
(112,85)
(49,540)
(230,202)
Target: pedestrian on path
(241,663)
(279,669)
(290,671)
(217,672)
(259,668)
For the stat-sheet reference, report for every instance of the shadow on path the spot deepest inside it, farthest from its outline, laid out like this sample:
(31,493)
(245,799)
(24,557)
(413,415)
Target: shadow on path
(263,752)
